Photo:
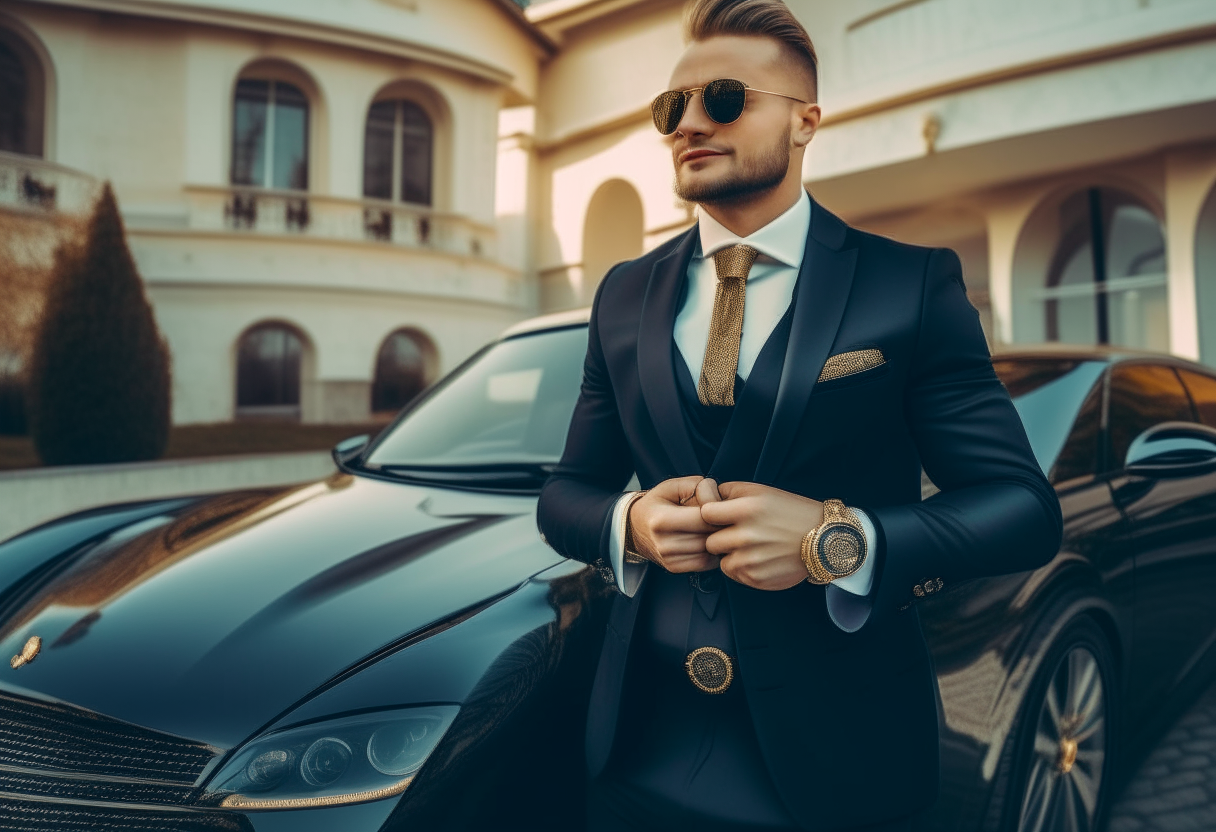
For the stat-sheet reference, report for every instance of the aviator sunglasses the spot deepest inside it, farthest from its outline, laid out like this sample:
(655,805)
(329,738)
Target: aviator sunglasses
(723,100)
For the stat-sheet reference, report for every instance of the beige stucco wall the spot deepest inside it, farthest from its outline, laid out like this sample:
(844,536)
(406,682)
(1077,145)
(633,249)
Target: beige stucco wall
(1027,100)
(143,97)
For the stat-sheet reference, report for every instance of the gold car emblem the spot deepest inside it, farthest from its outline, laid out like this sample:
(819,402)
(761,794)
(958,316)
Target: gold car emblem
(28,653)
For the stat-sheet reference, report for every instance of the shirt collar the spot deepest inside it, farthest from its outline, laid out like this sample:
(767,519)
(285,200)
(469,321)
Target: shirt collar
(783,239)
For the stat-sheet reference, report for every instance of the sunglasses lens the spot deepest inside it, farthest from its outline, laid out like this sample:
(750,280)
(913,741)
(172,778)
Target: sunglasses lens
(724,99)
(667,110)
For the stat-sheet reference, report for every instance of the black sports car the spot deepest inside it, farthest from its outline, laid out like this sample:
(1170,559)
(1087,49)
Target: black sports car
(395,647)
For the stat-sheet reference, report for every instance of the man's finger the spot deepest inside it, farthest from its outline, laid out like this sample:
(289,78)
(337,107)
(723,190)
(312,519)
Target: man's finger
(737,488)
(702,562)
(727,540)
(684,544)
(677,489)
(681,519)
(707,491)
(727,512)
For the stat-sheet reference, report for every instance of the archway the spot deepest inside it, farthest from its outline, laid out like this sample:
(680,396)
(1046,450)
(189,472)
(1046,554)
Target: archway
(1205,278)
(612,231)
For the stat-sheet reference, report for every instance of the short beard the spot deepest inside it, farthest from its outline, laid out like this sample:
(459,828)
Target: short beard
(756,176)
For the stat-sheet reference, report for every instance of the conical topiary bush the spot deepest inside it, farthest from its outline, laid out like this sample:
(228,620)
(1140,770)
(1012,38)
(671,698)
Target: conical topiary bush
(99,383)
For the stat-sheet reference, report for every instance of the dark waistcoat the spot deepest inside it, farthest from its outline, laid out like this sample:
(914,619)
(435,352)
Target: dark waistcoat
(698,750)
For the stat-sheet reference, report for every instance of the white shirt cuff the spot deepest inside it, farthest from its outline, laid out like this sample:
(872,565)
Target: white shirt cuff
(861,581)
(628,575)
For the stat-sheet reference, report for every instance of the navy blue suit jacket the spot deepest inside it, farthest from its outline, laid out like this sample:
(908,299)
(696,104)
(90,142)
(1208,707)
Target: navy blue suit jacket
(840,688)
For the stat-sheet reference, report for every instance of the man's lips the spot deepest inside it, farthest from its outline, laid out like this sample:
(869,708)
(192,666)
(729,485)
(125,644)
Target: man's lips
(698,153)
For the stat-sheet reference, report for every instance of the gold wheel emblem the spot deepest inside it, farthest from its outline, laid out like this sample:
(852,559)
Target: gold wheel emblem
(28,653)
(1067,756)
(710,669)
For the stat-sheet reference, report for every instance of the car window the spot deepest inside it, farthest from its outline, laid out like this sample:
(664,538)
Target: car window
(1143,395)
(511,404)
(1203,393)
(1079,456)
(1048,394)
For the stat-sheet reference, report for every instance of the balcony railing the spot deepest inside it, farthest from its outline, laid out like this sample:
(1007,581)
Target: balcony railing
(260,211)
(28,183)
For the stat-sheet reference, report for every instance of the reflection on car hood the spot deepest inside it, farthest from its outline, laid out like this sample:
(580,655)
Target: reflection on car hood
(210,622)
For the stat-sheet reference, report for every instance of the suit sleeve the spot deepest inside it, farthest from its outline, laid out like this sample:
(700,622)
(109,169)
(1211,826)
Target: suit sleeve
(996,513)
(575,509)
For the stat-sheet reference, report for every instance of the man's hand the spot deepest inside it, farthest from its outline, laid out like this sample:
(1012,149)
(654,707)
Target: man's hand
(759,533)
(667,525)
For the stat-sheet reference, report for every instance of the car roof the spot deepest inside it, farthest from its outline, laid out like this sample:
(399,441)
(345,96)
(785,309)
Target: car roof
(556,320)
(1084,352)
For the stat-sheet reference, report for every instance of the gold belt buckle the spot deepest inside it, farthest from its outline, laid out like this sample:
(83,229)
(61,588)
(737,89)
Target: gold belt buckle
(710,669)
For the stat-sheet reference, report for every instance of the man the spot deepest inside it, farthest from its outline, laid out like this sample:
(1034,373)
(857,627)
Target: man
(776,379)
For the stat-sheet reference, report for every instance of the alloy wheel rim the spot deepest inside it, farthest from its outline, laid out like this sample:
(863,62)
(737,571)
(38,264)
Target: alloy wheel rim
(1066,764)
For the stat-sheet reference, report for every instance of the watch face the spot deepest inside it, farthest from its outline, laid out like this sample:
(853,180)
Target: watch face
(840,546)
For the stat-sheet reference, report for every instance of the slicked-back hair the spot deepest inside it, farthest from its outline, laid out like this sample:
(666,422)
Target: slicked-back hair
(757,18)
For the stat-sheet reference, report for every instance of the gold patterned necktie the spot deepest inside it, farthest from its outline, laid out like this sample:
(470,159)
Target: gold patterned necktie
(721,363)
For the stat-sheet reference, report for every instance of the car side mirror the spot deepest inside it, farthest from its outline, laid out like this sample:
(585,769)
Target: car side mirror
(349,450)
(1173,449)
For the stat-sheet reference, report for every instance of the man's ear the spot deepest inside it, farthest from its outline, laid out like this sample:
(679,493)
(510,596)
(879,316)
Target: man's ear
(806,122)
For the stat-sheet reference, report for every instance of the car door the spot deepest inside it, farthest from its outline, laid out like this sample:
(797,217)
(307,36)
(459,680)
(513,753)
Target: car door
(1171,534)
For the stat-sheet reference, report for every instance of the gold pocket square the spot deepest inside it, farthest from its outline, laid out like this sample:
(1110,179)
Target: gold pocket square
(847,363)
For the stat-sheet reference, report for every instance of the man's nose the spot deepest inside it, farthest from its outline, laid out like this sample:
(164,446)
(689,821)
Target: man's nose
(694,120)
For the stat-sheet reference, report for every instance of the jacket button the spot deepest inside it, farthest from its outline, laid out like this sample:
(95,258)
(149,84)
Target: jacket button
(918,591)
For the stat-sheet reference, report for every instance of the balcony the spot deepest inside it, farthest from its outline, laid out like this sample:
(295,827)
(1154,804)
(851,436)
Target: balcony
(276,213)
(33,185)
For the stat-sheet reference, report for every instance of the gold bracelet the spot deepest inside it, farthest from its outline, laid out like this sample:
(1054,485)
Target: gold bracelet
(631,555)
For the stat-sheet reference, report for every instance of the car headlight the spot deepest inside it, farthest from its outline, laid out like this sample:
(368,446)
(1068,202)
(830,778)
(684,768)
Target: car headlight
(347,760)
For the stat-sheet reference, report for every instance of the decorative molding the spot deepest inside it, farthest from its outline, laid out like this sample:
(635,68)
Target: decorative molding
(287,27)
(957,85)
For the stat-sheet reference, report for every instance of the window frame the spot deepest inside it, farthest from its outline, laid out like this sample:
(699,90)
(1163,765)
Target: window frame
(268,141)
(397,152)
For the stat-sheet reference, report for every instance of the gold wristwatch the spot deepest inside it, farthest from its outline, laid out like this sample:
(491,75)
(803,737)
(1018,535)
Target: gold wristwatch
(836,548)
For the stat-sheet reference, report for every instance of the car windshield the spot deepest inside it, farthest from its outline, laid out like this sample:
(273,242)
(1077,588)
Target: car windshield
(1047,393)
(509,405)
(508,408)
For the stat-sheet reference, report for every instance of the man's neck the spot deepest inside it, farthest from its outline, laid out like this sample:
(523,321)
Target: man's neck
(745,217)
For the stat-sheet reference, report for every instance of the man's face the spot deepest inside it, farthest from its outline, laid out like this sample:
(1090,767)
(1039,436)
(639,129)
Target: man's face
(725,163)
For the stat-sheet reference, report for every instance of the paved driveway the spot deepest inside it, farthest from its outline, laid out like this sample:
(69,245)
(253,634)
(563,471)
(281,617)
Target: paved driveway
(1175,787)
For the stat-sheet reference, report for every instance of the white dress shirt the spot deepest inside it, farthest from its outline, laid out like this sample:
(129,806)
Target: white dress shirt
(767,294)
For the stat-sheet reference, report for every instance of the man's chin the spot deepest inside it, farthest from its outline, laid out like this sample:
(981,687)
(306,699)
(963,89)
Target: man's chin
(707,190)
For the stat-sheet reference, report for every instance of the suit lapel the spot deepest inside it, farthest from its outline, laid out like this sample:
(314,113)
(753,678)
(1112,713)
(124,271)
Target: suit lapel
(822,291)
(656,372)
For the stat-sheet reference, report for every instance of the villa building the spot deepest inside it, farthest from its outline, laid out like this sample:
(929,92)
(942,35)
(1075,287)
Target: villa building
(333,202)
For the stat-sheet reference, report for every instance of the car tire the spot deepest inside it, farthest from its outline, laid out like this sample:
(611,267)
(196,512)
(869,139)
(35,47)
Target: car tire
(1063,753)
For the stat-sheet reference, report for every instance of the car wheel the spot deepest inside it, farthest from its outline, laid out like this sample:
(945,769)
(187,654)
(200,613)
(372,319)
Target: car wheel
(1065,747)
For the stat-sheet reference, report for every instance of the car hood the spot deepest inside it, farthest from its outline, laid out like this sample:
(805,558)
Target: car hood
(209,622)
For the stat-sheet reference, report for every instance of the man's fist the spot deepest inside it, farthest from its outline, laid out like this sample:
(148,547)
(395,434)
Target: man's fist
(667,525)
(759,531)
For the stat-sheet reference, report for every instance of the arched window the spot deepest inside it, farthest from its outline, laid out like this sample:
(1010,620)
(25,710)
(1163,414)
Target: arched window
(22,92)
(269,135)
(12,394)
(1106,282)
(397,152)
(1205,278)
(405,365)
(268,372)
